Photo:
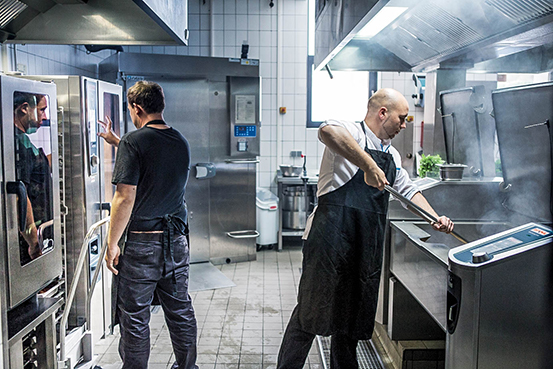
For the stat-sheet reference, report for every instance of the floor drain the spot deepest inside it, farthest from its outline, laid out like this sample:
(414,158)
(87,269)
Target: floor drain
(367,356)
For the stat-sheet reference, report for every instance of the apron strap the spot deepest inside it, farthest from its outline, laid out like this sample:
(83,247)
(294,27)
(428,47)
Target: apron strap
(168,252)
(365,132)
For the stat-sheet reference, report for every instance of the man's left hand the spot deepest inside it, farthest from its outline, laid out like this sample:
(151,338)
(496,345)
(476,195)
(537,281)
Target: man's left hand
(443,224)
(112,258)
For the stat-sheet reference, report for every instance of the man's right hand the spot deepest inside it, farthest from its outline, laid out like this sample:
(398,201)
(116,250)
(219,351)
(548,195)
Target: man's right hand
(112,258)
(108,134)
(375,177)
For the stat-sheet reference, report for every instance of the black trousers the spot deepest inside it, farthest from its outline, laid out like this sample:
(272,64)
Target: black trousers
(146,268)
(296,344)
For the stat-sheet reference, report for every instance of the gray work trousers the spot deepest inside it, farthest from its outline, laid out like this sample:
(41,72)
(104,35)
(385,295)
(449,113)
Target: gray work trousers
(148,266)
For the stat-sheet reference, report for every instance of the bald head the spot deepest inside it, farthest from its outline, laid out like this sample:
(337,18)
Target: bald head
(386,113)
(387,98)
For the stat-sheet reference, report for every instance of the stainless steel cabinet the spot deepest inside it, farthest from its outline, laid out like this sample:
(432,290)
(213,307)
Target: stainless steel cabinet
(215,104)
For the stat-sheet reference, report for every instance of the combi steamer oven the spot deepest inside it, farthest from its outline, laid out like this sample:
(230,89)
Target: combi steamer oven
(30,253)
(87,162)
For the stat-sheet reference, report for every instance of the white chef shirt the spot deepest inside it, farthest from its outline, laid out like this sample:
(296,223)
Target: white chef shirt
(336,170)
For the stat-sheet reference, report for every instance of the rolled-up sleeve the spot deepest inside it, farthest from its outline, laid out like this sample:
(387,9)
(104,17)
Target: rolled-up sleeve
(404,185)
(351,127)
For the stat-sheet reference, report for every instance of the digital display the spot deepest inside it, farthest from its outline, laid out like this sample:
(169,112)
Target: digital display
(245,131)
(515,240)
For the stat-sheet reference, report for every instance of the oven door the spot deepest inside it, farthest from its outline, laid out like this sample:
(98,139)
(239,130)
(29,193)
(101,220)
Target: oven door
(30,186)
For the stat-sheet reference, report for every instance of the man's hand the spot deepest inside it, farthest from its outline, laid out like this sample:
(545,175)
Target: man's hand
(108,134)
(34,251)
(112,258)
(375,177)
(443,224)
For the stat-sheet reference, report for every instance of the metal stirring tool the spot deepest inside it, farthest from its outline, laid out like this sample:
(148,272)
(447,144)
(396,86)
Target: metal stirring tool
(419,211)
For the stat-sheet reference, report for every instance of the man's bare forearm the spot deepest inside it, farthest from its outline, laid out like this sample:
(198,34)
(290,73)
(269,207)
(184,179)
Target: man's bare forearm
(421,201)
(121,209)
(443,223)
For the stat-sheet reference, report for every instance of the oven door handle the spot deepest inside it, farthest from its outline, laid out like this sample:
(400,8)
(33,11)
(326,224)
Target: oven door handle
(40,232)
(18,188)
(243,234)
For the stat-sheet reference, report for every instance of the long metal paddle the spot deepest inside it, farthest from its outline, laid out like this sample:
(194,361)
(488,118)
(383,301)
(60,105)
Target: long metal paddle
(419,211)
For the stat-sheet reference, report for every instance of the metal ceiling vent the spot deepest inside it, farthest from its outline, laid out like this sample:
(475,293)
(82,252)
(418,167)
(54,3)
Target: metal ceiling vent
(9,10)
(522,11)
(427,31)
(458,33)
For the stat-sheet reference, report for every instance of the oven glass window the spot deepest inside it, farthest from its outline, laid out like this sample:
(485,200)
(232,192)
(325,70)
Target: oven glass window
(33,164)
(111,111)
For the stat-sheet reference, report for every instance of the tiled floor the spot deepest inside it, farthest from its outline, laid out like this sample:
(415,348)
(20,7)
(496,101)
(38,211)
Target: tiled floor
(239,327)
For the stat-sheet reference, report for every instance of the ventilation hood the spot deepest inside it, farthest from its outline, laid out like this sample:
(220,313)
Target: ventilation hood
(432,34)
(94,22)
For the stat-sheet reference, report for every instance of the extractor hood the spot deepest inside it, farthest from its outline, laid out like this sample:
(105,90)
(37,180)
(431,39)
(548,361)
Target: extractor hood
(432,33)
(94,22)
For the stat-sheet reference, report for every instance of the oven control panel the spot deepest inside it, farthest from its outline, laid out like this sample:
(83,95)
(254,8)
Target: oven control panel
(244,117)
(502,243)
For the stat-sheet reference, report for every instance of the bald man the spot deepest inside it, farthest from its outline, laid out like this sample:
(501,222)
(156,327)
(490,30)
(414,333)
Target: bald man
(343,239)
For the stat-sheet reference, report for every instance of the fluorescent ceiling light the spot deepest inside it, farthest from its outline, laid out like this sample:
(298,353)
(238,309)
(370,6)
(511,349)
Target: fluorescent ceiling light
(385,16)
(111,29)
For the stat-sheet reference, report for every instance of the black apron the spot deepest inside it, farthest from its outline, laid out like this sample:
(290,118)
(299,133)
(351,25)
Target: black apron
(342,257)
(172,224)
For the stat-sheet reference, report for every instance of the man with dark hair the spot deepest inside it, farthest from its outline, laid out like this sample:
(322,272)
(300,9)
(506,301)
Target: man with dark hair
(342,252)
(33,169)
(147,242)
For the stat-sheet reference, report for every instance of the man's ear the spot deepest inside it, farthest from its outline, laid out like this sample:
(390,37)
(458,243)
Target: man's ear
(382,112)
(23,109)
(139,110)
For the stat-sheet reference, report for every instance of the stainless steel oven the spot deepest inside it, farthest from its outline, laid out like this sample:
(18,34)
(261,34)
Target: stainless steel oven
(30,228)
(88,163)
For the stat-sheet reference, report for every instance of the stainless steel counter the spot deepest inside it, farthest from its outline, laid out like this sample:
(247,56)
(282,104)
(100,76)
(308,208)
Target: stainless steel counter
(419,259)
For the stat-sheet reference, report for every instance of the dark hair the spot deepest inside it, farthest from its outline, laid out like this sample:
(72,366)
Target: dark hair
(20,98)
(149,95)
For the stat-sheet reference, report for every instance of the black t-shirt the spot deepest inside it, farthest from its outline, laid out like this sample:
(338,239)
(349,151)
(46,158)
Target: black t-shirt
(157,161)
